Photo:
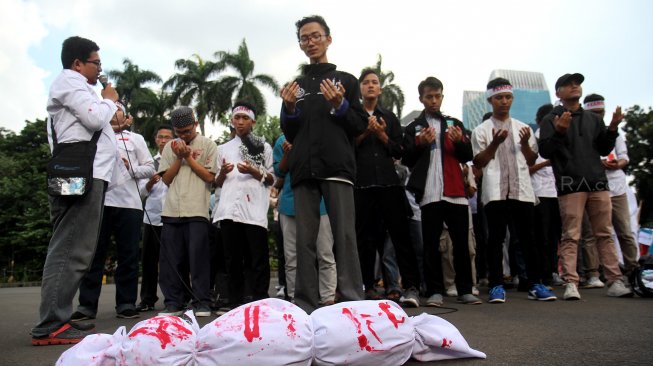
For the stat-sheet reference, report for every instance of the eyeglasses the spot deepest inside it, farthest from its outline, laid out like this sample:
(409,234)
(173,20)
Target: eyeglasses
(96,62)
(315,37)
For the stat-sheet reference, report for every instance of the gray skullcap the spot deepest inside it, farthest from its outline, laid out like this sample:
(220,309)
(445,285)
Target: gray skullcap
(182,117)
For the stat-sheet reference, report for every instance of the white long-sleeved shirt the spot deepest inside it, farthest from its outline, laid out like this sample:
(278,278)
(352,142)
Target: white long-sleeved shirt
(155,199)
(243,199)
(617,177)
(543,180)
(131,146)
(77,112)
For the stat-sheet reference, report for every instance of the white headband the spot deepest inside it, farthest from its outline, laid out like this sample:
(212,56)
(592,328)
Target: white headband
(243,110)
(499,89)
(597,104)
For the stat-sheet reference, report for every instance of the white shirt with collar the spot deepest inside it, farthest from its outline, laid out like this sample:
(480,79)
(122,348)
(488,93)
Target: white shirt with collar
(77,112)
(543,180)
(481,138)
(155,199)
(132,147)
(617,177)
(243,198)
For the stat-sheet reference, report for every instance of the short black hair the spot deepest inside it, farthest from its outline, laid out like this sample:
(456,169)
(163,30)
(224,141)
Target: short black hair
(429,82)
(245,104)
(312,19)
(165,126)
(543,111)
(76,48)
(366,72)
(497,82)
(593,98)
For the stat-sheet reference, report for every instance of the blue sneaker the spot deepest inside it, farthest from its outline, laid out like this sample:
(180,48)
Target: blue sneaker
(497,295)
(541,293)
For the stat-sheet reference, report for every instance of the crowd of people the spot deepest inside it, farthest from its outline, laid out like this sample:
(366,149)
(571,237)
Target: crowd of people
(365,209)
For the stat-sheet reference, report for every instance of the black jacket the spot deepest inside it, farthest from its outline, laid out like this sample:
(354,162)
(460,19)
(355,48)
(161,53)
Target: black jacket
(374,160)
(576,155)
(323,142)
(418,158)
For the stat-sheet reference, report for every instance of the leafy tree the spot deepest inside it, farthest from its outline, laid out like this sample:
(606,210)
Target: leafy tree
(639,140)
(25,228)
(130,81)
(392,96)
(196,84)
(244,84)
(150,109)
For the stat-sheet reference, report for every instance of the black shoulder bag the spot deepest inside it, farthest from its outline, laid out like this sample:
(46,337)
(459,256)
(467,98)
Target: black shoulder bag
(70,171)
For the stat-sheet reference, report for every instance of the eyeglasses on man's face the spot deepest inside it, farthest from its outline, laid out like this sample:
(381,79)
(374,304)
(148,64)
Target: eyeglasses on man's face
(314,37)
(96,62)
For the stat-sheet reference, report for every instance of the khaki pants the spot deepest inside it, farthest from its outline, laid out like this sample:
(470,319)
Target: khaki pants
(446,248)
(621,223)
(599,209)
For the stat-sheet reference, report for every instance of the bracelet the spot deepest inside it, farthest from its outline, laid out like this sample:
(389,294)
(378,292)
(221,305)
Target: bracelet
(263,175)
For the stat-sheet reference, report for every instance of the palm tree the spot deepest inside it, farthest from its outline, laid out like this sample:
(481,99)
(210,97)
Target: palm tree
(130,81)
(195,84)
(244,84)
(392,97)
(150,109)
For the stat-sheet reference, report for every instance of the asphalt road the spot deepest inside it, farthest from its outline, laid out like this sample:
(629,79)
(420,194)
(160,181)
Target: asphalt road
(597,330)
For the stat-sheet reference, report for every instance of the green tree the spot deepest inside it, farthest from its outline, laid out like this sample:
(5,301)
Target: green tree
(196,84)
(244,85)
(24,214)
(639,140)
(131,80)
(392,96)
(150,109)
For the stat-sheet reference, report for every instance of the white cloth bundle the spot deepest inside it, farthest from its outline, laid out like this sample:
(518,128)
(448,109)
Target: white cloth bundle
(276,332)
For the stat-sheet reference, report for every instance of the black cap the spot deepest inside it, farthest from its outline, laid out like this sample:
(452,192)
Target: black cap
(567,78)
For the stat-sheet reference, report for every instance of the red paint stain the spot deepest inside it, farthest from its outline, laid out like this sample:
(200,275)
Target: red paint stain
(446,343)
(292,331)
(386,309)
(251,332)
(363,342)
(369,327)
(167,329)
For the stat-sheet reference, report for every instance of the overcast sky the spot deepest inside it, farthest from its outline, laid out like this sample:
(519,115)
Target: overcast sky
(460,42)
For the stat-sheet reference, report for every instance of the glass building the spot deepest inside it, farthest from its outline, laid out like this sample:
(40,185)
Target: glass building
(530,92)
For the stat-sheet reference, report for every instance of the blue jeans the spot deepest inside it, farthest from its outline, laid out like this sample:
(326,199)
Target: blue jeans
(125,225)
(76,226)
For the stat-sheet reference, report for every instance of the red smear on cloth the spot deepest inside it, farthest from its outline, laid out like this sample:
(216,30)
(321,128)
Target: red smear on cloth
(363,342)
(446,343)
(253,332)
(167,329)
(292,332)
(386,309)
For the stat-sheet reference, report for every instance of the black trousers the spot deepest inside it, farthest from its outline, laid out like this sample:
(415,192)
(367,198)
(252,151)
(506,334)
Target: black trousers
(457,219)
(246,259)
(548,230)
(498,214)
(185,248)
(150,263)
(381,209)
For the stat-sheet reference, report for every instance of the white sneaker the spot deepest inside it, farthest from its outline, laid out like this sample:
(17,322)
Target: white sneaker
(281,294)
(618,289)
(571,292)
(452,291)
(594,282)
(475,291)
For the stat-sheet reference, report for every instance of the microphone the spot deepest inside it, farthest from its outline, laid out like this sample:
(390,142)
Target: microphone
(104,80)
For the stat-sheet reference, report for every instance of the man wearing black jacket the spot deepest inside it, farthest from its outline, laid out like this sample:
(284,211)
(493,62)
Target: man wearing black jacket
(381,203)
(321,115)
(574,140)
(435,146)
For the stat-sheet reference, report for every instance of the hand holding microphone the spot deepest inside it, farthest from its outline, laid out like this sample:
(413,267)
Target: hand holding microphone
(108,91)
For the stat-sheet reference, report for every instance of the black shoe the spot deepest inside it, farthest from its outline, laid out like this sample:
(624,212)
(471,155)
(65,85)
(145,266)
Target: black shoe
(128,314)
(142,307)
(172,310)
(78,316)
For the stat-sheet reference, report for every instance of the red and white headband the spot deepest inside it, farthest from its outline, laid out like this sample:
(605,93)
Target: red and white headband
(499,89)
(243,110)
(597,104)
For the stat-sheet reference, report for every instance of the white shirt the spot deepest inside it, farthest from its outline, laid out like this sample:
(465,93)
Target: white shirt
(543,180)
(243,198)
(77,112)
(434,187)
(155,199)
(617,178)
(131,146)
(481,139)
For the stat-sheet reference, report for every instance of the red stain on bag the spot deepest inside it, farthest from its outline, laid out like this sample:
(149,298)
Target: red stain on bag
(292,331)
(393,318)
(363,342)
(446,343)
(253,331)
(167,329)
